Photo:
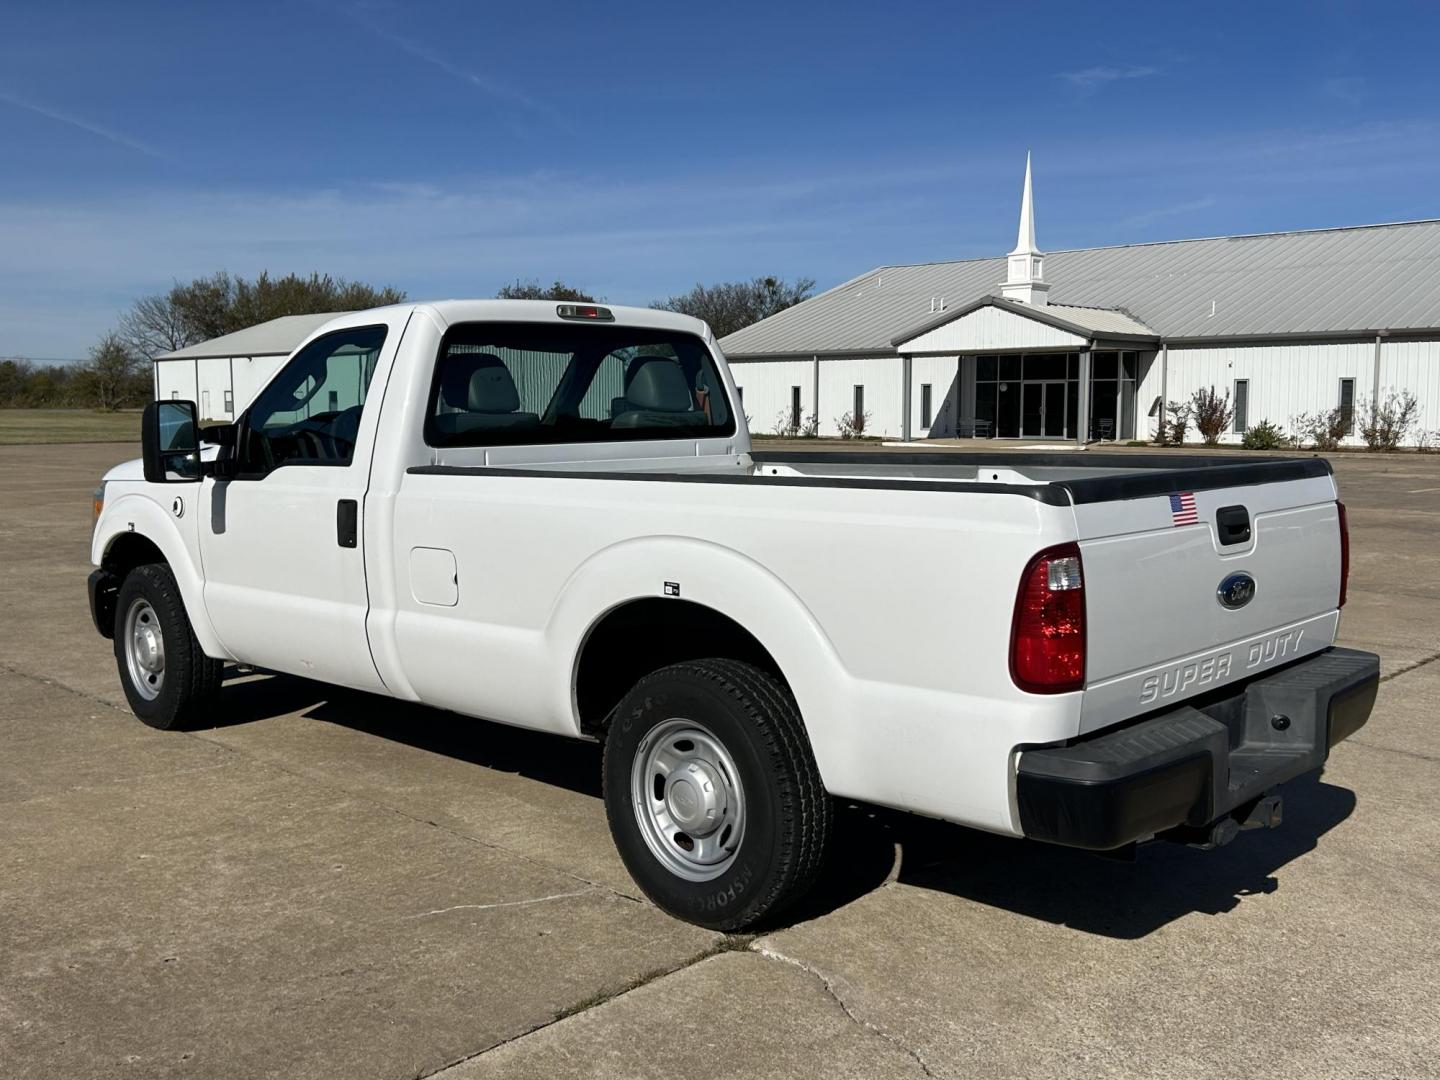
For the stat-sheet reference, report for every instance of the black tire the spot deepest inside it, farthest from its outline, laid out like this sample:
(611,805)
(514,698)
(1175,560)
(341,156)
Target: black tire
(786,809)
(191,680)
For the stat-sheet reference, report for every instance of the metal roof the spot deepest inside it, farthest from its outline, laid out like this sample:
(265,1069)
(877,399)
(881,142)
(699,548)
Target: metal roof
(1328,281)
(1084,321)
(278,337)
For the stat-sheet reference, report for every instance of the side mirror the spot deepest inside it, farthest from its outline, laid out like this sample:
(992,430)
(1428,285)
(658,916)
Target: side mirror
(170,443)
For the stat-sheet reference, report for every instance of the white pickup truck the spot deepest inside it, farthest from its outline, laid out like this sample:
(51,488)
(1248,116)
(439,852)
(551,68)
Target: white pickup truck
(551,516)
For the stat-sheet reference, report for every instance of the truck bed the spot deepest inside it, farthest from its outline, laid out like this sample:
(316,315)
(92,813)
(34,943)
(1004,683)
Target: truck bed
(1058,479)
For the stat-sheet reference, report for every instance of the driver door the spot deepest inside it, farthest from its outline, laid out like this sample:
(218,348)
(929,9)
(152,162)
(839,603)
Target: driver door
(282,546)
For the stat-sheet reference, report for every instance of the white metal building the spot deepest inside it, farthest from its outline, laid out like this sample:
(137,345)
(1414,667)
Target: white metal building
(1026,345)
(224,374)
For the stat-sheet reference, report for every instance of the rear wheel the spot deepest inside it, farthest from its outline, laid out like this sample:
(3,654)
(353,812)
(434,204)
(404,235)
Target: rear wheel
(712,793)
(168,680)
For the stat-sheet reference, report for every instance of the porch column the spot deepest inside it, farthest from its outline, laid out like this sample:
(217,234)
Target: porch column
(1082,413)
(905,398)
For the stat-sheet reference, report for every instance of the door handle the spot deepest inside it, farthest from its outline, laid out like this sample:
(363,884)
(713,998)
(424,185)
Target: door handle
(1233,524)
(347,516)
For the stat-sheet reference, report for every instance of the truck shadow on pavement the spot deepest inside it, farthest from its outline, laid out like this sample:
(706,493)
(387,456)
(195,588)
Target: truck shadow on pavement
(1097,894)
(1094,894)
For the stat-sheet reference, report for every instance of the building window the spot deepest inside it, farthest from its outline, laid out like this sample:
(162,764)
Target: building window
(174,395)
(925,405)
(858,413)
(1347,405)
(1242,406)
(795,407)
(230,402)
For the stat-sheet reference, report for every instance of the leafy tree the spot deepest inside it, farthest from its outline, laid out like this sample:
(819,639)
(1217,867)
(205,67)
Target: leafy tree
(734,305)
(223,303)
(533,290)
(14,380)
(112,377)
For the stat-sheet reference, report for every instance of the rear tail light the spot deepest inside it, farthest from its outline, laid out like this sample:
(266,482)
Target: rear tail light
(1344,553)
(1047,637)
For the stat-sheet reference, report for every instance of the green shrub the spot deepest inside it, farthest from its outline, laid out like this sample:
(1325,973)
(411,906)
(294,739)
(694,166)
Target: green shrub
(1265,436)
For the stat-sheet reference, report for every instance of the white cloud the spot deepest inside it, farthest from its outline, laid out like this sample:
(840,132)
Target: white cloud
(1094,77)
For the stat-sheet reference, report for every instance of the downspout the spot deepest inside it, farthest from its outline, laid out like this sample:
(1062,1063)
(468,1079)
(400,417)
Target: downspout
(814,392)
(1375,390)
(905,363)
(1164,390)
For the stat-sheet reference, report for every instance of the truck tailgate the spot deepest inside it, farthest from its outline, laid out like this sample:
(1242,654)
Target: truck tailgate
(1158,630)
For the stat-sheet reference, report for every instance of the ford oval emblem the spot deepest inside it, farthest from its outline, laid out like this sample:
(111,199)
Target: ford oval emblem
(1236,590)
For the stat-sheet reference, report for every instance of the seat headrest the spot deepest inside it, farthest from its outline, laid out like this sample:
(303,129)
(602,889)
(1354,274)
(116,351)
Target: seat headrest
(479,382)
(657,384)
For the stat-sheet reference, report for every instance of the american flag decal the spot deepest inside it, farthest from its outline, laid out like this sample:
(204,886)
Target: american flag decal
(1182,509)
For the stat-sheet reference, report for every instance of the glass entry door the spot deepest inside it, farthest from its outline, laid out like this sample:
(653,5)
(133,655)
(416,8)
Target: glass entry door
(1042,409)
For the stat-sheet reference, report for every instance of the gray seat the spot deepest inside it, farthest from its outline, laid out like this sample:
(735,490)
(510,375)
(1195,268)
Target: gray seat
(478,393)
(657,394)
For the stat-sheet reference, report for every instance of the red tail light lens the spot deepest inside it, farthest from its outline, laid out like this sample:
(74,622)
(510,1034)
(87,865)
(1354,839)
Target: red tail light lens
(1344,553)
(1047,637)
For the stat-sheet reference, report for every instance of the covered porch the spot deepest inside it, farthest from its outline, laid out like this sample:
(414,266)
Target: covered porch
(1027,371)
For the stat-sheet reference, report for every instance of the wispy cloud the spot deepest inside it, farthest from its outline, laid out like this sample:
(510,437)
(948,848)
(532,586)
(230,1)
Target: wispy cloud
(109,135)
(1347,88)
(494,88)
(1162,213)
(1092,78)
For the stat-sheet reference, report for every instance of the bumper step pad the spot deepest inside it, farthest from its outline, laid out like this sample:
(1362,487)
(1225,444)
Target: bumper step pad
(1193,765)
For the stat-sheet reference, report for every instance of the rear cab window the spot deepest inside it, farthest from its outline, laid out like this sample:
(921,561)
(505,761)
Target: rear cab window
(541,383)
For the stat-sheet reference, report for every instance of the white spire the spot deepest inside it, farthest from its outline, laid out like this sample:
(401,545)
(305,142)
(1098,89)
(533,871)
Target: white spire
(1024,277)
(1025,241)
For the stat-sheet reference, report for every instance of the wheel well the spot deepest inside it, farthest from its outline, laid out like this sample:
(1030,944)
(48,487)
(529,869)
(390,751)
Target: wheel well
(128,551)
(644,635)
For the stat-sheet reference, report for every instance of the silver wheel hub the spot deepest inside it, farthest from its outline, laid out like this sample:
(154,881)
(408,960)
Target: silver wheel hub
(688,800)
(144,644)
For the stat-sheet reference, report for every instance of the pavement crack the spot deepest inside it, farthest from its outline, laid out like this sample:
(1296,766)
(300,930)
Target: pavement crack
(774,954)
(503,904)
(1392,750)
(726,943)
(1411,667)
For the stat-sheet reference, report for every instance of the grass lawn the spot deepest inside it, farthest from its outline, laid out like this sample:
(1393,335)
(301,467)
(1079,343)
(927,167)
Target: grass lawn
(19,426)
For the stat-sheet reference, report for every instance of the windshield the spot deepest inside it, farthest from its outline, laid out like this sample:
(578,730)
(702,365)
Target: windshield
(531,383)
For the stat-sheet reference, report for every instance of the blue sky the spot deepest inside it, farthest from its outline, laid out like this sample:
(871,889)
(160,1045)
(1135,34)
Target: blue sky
(448,147)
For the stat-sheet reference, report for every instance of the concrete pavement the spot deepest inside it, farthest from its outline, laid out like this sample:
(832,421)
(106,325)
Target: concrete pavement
(331,884)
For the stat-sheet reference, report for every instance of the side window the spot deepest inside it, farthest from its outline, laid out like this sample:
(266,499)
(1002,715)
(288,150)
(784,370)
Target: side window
(309,414)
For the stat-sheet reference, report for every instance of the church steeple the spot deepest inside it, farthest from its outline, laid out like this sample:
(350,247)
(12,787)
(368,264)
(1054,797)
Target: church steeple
(1025,277)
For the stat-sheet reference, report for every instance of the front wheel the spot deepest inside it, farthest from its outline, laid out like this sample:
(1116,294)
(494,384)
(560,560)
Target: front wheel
(712,793)
(168,680)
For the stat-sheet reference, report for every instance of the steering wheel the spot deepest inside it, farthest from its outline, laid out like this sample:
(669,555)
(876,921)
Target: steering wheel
(313,439)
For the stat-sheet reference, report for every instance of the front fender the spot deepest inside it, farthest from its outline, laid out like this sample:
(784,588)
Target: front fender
(728,582)
(136,513)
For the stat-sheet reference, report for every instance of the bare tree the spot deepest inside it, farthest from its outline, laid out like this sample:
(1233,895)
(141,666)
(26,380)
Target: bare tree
(154,325)
(221,304)
(734,305)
